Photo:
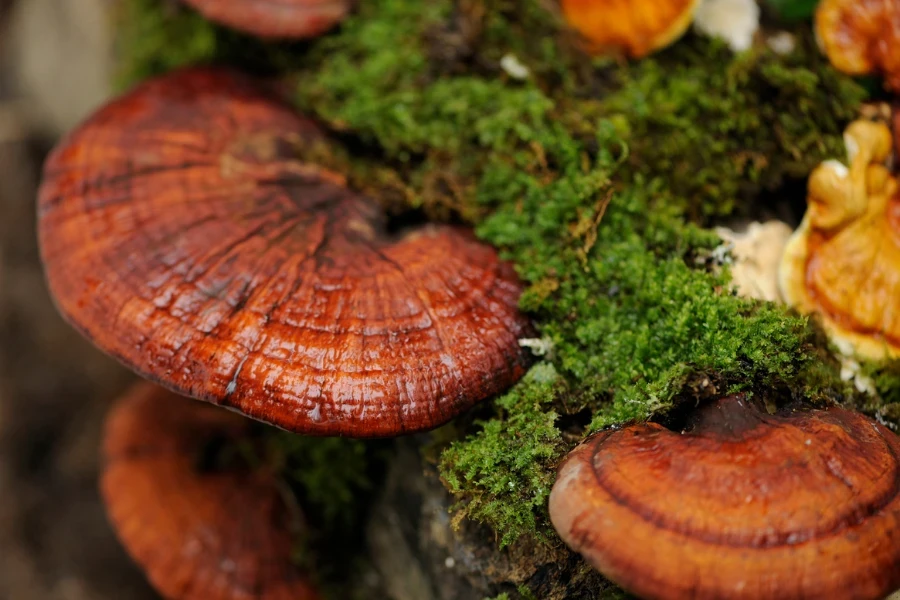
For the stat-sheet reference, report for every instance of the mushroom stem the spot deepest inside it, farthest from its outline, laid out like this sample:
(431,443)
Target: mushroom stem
(728,417)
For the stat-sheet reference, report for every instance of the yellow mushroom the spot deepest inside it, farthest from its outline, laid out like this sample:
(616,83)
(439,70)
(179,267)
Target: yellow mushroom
(633,27)
(843,263)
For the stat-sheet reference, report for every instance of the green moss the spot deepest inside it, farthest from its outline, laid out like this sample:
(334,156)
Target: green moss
(585,175)
(793,10)
(511,458)
(332,475)
(885,404)
(333,481)
(766,118)
(155,36)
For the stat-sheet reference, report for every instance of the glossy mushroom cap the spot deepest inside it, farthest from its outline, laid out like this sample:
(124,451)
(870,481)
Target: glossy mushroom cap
(744,505)
(182,233)
(199,532)
(632,27)
(843,262)
(275,19)
(861,37)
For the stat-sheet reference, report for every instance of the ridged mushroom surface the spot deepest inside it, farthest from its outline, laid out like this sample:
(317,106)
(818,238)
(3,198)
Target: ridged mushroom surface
(199,531)
(741,505)
(183,233)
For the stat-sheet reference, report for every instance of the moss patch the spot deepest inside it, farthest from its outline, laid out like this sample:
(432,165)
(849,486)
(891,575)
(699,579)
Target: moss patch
(766,119)
(587,174)
(333,482)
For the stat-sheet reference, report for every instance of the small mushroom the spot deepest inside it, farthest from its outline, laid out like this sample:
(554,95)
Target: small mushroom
(742,505)
(275,19)
(734,21)
(757,252)
(633,27)
(200,531)
(183,233)
(861,37)
(843,262)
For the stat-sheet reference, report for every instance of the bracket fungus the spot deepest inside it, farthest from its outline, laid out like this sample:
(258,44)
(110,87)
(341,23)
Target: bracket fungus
(861,37)
(200,532)
(182,232)
(743,505)
(633,27)
(275,19)
(843,262)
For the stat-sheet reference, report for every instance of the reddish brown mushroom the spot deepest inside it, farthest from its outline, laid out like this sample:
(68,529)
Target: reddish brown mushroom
(183,234)
(276,19)
(743,505)
(861,37)
(200,533)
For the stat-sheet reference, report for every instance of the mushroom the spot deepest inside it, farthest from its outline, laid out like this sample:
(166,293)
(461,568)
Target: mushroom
(200,531)
(734,21)
(861,37)
(756,253)
(633,27)
(275,19)
(182,231)
(742,505)
(843,262)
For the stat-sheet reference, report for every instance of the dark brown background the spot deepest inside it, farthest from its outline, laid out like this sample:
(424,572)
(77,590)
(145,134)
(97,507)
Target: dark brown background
(54,388)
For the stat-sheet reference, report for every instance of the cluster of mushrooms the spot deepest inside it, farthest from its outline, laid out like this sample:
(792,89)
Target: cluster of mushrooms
(184,233)
(745,502)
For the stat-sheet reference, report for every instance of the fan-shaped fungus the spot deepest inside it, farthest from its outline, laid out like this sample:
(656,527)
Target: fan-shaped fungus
(634,27)
(861,37)
(276,19)
(743,505)
(182,232)
(200,532)
(843,262)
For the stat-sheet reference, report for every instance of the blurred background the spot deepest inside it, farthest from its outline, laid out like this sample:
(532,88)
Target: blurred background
(55,67)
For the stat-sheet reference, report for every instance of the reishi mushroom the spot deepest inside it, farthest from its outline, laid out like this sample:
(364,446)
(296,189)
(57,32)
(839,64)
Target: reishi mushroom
(275,19)
(633,27)
(201,532)
(182,232)
(743,505)
(843,262)
(861,37)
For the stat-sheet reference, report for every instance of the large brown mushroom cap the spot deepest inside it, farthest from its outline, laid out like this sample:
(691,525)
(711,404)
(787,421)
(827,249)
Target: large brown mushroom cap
(843,262)
(632,27)
(182,234)
(277,19)
(745,505)
(199,534)
(861,37)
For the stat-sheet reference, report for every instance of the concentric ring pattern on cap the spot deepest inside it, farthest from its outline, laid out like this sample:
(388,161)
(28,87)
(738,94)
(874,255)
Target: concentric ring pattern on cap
(182,233)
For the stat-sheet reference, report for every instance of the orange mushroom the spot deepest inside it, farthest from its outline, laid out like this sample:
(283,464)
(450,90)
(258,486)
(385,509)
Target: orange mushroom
(182,232)
(201,532)
(742,505)
(632,27)
(861,37)
(843,262)
(277,19)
